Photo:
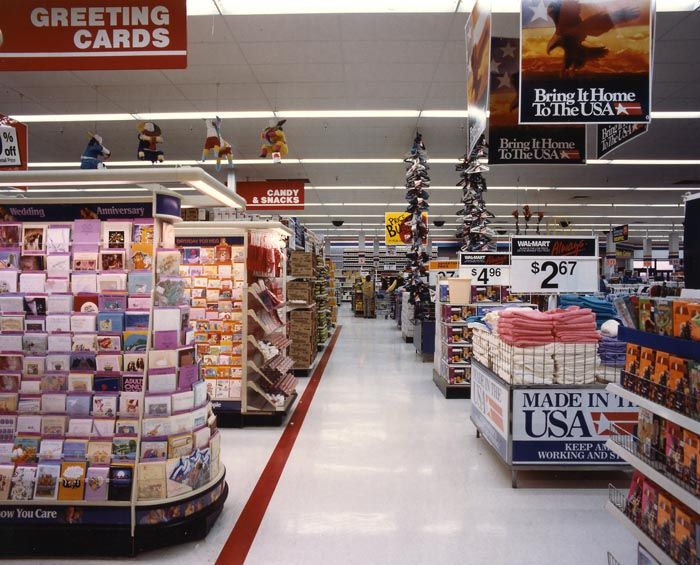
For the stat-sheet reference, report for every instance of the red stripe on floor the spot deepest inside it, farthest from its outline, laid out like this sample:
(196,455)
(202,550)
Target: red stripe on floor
(241,538)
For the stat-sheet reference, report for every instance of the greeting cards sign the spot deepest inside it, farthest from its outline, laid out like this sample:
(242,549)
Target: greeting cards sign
(272,194)
(69,35)
(585,62)
(478,37)
(511,143)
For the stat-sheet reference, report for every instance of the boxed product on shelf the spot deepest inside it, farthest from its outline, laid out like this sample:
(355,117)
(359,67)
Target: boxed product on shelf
(302,264)
(300,291)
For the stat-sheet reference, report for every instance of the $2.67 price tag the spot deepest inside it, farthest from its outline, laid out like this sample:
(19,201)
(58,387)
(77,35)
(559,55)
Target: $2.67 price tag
(543,264)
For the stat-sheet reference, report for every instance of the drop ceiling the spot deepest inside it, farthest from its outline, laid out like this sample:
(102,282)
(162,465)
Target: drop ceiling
(398,61)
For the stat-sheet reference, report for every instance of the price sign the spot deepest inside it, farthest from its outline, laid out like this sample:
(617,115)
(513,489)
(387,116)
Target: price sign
(9,148)
(542,264)
(488,269)
(442,269)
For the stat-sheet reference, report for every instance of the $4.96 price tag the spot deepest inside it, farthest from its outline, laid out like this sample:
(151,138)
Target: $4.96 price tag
(488,269)
(543,264)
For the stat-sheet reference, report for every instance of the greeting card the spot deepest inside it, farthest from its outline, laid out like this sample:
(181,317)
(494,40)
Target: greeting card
(23,482)
(71,485)
(51,449)
(111,282)
(151,480)
(96,482)
(140,282)
(47,480)
(99,452)
(59,303)
(58,238)
(33,237)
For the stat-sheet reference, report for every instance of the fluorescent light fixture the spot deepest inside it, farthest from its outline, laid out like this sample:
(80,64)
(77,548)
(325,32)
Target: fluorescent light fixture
(675,115)
(348,114)
(67,118)
(192,176)
(444,114)
(655,162)
(149,165)
(202,115)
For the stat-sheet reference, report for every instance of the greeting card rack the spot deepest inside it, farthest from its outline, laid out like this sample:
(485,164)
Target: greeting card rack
(661,508)
(108,443)
(242,340)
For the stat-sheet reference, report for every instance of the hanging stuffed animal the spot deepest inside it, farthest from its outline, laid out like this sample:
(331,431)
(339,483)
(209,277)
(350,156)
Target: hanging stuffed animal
(216,145)
(274,142)
(95,153)
(516,215)
(527,214)
(149,138)
(540,215)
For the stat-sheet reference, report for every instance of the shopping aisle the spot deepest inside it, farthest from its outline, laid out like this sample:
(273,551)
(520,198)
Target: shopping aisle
(386,470)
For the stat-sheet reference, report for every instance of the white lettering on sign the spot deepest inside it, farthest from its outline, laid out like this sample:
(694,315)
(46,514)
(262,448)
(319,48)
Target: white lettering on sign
(585,102)
(28,514)
(116,18)
(283,196)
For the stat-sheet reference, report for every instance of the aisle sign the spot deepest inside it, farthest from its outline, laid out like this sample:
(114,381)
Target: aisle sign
(81,35)
(568,426)
(441,270)
(272,194)
(544,264)
(621,233)
(490,404)
(491,269)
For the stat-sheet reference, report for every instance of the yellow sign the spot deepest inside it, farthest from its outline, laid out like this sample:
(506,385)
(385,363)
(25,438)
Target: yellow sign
(397,228)
(444,265)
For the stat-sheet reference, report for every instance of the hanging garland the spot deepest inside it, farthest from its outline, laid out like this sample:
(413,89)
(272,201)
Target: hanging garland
(417,180)
(475,233)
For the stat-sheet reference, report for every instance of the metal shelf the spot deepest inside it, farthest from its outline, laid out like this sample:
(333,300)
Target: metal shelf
(649,544)
(685,496)
(661,411)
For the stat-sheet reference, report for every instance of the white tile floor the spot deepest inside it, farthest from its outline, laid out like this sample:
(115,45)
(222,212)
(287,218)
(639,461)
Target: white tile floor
(385,470)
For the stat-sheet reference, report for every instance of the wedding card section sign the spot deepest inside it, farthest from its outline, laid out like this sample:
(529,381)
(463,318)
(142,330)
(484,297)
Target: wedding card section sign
(478,39)
(74,35)
(612,136)
(14,151)
(585,62)
(511,143)
(68,212)
(568,426)
(543,264)
(492,269)
(272,194)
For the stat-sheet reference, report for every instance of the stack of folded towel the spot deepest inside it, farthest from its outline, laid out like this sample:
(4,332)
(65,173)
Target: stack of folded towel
(575,363)
(526,365)
(602,308)
(523,327)
(574,325)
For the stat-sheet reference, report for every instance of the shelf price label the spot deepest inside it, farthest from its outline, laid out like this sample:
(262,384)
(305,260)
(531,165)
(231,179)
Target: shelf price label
(488,269)
(442,270)
(544,264)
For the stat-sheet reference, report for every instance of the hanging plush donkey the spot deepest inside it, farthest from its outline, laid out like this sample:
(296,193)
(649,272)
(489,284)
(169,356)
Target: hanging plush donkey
(95,153)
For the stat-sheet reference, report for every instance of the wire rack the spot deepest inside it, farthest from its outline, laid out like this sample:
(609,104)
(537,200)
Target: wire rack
(645,515)
(674,399)
(612,560)
(668,463)
(549,364)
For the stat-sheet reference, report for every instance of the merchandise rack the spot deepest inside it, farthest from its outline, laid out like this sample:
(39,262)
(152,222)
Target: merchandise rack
(239,412)
(497,417)
(646,459)
(70,527)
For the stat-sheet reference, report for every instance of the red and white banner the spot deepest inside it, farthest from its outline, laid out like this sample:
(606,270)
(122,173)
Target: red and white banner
(272,194)
(14,145)
(69,35)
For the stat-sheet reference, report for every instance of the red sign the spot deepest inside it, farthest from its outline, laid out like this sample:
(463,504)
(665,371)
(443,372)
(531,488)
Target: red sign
(74,35)
(272,194)
(14,146)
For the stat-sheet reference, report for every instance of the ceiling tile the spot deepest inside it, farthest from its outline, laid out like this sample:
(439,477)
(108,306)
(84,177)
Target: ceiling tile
(291,52)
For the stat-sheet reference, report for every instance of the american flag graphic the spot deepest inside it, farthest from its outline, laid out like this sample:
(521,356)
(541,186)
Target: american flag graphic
(628,109)
(494,413)
(570,154)
(603,422)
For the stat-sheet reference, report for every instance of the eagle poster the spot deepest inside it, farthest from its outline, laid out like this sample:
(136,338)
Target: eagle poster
(478,39)
(585,61)
(511,143)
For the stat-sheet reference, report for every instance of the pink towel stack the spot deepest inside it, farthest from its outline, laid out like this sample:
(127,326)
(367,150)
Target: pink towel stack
(524,328)
(575,325)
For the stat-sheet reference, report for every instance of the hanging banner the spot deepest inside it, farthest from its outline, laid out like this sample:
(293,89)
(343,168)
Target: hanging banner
(612,136)
(80,35)
(585,62)
(491,269)
(478,39)
(543,264)
(14,145)
(397,228)
(272,194)
(511,143)
(621,233)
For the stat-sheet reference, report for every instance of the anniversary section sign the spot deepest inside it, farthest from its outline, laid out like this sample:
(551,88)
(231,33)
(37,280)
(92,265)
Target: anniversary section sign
(511,143)
(543,264)
(585,62)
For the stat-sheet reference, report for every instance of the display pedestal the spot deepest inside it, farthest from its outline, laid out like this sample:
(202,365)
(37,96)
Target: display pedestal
(424,339)
(59,529)
(515,422)
(451,391)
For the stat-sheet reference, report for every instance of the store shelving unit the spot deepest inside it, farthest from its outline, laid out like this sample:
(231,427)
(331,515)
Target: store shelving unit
(258,394)
(136,502)
(656,467)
